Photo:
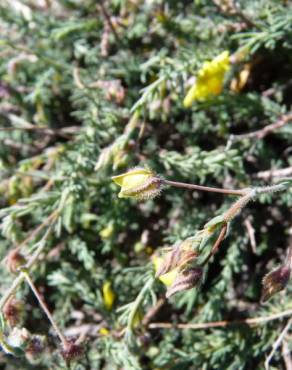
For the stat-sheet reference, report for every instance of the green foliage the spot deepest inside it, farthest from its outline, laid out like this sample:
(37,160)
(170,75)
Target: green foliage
(91,89)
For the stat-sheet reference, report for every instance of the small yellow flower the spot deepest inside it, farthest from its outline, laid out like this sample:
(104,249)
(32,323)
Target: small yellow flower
(209,80)
(107,232)
(104,331)
(168,278)
(109,295)
(137,319)
(138,183)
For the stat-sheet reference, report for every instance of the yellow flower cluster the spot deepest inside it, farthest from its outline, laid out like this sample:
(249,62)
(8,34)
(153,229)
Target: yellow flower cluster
(209,80)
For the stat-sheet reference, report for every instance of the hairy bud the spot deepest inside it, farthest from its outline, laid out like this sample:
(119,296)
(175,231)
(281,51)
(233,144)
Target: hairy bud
(13,311)
(179,256)
(72,351)
(138,183)
(14,260)
(275,281)
(185,280)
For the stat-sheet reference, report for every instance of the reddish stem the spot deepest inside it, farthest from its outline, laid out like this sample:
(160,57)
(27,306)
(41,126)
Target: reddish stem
(205,188)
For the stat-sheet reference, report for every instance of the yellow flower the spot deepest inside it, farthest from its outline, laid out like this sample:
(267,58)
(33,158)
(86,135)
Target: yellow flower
(137,319)
(108,295)
(104,331)
(138,183)
(107,232)
(209,80)
(238,83)
(168,278)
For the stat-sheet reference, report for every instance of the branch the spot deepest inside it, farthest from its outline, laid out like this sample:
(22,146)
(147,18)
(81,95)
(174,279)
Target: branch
(41,245)
(286,355)
(277,343)
(43,305)
(216,246)
(269,174)
(204,188)
(109,21)
(20,278)
(260,134)
(221,324)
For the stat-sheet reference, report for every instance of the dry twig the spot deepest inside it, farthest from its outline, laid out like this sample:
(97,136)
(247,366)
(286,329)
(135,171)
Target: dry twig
(221,324)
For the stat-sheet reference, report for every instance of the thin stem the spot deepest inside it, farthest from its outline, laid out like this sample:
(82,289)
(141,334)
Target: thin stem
(10,292)
(220,324)
(38,229)
(20,278)
(217,244)
(273,188)
(45,130)
(260,134)
(41,245)
(44,307)
(248,192)
(109,21)
(137,303)
(277,343)
(205,188)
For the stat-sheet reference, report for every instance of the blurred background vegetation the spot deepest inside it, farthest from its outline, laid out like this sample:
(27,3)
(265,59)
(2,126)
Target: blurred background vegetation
(90,89)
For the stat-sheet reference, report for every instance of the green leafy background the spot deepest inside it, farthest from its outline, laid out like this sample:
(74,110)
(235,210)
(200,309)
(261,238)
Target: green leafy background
(55,57)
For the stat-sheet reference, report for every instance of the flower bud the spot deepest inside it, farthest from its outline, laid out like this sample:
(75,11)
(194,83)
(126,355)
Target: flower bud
(13,311)
(14,260)
(185,280)
(72,351)
(168,278)
(35,347)
(107,232)
(179,256)
(109,295)
(138,183)
(275,281)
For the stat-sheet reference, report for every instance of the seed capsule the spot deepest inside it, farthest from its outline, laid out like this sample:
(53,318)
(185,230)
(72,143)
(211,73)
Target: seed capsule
(138,183)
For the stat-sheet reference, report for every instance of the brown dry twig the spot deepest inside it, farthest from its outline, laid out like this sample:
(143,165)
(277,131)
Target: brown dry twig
(153,311)
(260,134)
(272,173)
(251,234)
(108,19)
(277,343)
(221,324)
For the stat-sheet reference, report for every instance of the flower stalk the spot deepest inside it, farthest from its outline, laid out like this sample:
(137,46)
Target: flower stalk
(184,185)
(44,307)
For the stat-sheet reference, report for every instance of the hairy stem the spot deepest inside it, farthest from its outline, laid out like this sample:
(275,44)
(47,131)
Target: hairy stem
(205,188)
